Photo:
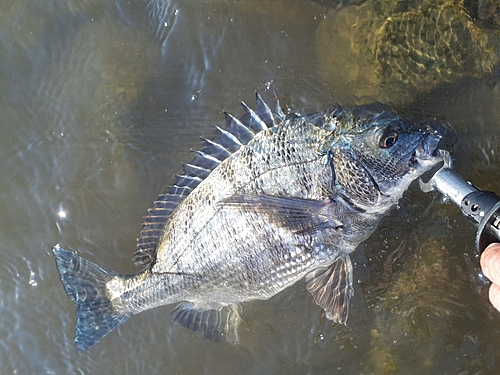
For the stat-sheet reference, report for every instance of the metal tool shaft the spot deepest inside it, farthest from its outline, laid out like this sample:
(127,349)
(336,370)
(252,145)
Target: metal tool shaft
(480,207)
(452,185)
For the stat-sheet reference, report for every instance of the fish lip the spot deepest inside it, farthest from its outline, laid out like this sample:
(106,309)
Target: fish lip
(428,148)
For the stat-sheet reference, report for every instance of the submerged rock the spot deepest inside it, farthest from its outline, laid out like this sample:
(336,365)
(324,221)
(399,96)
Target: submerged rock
(389,50)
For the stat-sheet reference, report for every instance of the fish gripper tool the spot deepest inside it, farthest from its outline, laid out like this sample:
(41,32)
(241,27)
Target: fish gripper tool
(480,207)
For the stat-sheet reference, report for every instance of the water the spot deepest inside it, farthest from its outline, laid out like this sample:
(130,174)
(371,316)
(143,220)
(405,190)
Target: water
(101,102)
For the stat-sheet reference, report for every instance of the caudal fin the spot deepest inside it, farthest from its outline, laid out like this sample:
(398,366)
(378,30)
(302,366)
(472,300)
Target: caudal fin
(85,284)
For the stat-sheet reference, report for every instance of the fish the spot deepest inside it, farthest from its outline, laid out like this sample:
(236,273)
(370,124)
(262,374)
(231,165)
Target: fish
(270,200)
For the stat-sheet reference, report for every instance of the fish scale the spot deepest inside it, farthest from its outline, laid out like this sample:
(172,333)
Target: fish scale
(269,200)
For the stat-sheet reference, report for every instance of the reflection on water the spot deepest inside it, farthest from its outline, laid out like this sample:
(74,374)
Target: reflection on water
(101,102)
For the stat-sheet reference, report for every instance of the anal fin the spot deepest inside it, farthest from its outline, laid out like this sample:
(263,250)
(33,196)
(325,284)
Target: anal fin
(332,288)
(214,324)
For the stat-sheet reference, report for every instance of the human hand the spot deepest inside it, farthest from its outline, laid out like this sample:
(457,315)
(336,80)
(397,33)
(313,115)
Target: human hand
(490,263)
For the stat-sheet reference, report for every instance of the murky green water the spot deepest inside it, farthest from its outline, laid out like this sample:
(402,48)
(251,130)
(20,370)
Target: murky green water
(100,102)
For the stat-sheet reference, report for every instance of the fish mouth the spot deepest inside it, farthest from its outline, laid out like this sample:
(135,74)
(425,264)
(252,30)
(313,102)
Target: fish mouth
(427,154)
(428,149)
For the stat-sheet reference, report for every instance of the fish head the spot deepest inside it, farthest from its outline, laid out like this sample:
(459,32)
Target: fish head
(376,156)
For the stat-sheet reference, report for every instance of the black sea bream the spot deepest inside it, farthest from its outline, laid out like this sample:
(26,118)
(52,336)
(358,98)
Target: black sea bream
(270,200)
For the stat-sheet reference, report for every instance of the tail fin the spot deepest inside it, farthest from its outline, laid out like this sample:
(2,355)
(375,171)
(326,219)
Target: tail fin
(85,284)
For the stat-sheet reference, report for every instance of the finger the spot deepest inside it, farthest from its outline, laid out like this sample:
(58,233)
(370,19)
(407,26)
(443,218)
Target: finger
(495,296)
(490,262)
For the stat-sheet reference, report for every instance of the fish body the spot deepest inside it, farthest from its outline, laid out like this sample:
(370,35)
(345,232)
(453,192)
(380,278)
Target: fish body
(270,200)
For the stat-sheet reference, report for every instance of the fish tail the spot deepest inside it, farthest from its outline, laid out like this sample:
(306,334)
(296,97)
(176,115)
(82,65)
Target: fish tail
(85,284)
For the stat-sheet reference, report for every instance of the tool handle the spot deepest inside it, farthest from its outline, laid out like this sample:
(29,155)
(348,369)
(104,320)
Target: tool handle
(480,207)
(487,209)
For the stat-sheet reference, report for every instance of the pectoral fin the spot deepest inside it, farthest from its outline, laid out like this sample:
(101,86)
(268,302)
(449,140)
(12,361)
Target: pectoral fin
(214,324)
(332,289)
(298,215)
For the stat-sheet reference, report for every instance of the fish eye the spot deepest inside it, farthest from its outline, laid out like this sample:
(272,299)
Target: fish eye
(387,137)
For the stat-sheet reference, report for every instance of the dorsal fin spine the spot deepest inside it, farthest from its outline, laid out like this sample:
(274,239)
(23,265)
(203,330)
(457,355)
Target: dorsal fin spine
(179,192)
(263,111)
(216,148)
(196,170)
(228,139)
(206,156)
(236,127)
(278,112)
(257,122)
(188,181)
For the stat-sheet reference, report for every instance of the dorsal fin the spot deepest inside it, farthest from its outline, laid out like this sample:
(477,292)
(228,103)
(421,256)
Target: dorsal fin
(239,130)
(224,143)
(252,119)
(264,112)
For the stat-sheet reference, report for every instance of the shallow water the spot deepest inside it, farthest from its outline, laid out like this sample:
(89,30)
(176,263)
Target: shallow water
(100,103)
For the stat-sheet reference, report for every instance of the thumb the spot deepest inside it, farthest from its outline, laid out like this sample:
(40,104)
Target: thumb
(490,262)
